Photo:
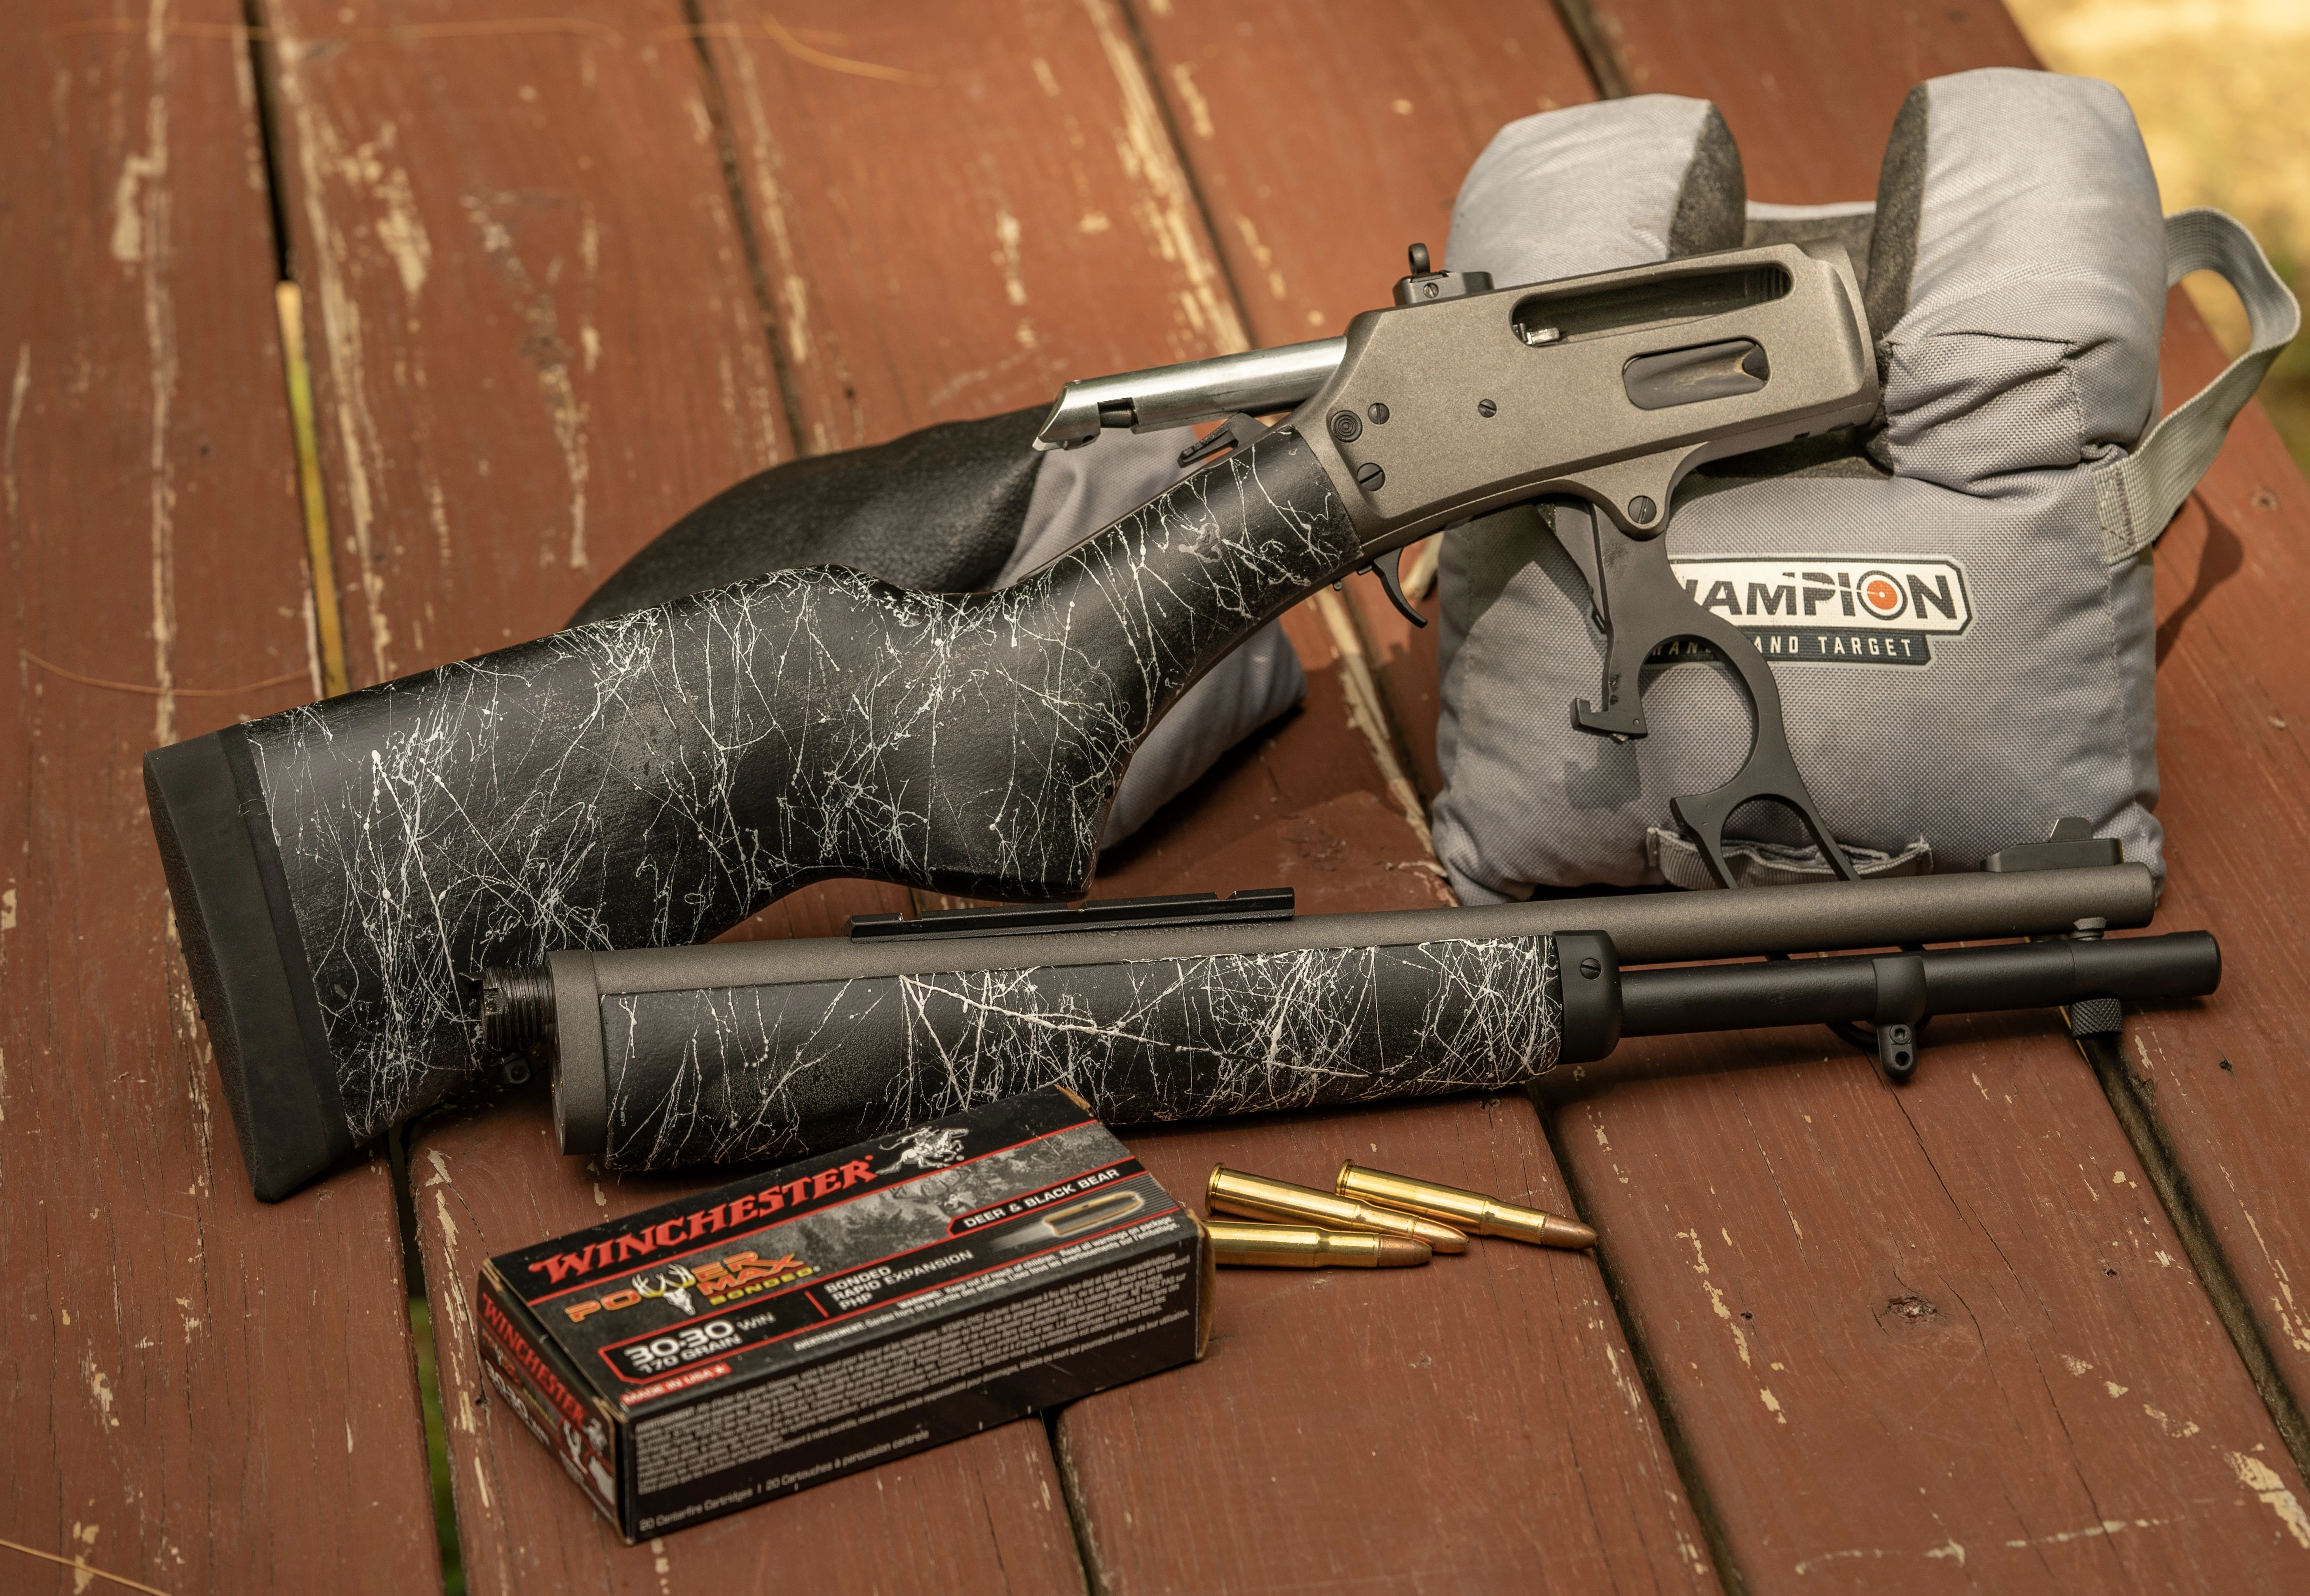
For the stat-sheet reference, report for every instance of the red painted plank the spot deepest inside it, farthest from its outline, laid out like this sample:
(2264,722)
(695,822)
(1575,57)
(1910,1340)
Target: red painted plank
(202,1393)
(986,1514)
(1976,1327)
(960,213)
(1325,142)
(534,335)
(2233,572)
(1899,1323)
(1326,139)
(539,343)
(1342,1419)
(1809,90)
(1474,1424)
(490,1181)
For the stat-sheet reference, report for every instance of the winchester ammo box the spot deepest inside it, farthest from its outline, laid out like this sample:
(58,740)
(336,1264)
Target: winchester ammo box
(785,1330)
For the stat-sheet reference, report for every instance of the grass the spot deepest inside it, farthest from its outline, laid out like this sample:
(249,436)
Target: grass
(2215,86)
(436,1448)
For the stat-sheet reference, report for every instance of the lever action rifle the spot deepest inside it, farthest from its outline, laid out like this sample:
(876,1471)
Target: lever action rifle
(343,873)
(1165,1009)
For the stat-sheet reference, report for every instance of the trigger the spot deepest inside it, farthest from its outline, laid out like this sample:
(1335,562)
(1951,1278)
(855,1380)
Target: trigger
(1387,569)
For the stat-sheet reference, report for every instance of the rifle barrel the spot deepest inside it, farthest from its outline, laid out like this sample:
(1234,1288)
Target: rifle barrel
(1727,997)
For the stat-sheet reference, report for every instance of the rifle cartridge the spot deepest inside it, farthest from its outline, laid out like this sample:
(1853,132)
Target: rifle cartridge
(1309,1246)
(1470,1211)
(1256,1197)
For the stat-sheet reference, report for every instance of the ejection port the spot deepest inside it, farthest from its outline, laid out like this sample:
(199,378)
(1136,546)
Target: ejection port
(1685,376)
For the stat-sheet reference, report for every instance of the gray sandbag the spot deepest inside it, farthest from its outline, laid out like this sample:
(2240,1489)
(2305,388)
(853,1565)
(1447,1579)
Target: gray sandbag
(1964,647)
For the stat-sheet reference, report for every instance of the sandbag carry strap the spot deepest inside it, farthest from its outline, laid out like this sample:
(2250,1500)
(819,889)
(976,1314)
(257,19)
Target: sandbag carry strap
(2136,496)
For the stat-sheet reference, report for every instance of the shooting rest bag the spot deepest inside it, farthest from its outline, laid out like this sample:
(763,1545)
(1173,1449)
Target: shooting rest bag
(956,509)
(1955,600)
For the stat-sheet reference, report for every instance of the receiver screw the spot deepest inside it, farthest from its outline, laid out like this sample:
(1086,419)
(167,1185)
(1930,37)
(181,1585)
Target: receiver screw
(1487,409)
(1641,510)
(1378,413)
(1369,477)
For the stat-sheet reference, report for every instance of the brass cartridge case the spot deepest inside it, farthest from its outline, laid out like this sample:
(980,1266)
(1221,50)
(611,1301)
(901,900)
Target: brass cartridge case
(1256,1197)
(1472,1212)
(1309,1246)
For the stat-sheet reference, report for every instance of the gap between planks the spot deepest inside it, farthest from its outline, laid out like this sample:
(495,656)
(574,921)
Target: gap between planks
(2133,1111)
(2137,1115)
(1368,707)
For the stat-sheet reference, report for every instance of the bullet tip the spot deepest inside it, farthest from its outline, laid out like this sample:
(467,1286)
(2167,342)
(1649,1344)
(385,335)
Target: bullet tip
(1566,1233)
(1396,1252)
(1440,1239)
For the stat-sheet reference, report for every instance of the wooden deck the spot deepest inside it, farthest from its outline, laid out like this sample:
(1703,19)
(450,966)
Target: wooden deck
(2012,1326)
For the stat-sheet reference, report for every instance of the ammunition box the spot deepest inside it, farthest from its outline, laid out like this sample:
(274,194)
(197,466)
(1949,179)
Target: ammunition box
(745,1343)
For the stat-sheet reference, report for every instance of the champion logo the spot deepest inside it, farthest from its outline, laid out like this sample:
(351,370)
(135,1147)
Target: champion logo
(1915,595)
(1832,609)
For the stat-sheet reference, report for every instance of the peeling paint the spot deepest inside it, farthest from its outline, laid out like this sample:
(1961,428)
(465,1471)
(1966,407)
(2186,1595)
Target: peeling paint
(1261,255)
(1627,1387)
(21,386)
(2108,1526)
(1366,715)
(402,233)
(2290,1321)
(542,347)
(1166,206)
(773,212)
(83,1541)
(1199,110)
(101,1388)
(127,202)
(323,154)
(1006,257)
(140,238)
(2266,1483)
(2178,1429)
(1701,1268)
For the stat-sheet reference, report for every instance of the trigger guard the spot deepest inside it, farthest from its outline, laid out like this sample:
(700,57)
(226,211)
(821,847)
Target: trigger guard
(1643,606)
